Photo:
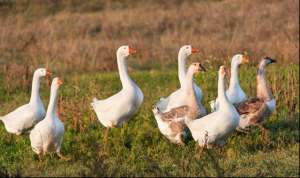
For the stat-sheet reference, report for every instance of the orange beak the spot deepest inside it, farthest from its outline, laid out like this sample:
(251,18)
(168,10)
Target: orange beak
(59,82)
(48,73)
(195,50)
(245,59)
(131,50)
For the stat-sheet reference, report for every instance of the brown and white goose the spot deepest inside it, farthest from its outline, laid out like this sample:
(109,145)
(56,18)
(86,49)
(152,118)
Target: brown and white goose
(255,110)
(171,123)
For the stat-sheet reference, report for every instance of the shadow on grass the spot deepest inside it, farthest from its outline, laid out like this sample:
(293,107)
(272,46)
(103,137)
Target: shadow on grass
(4,173)
(280,133)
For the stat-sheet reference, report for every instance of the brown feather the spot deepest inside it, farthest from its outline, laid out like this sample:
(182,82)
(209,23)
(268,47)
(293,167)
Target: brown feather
(177,126)
(254,107)
(260,115)
(174,113)
(249,106)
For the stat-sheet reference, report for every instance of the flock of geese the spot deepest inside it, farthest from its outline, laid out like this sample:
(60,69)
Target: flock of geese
(179,114)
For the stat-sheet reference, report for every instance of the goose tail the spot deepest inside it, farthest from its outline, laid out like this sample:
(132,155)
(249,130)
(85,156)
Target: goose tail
(155,110)
(162,103)
(94,101)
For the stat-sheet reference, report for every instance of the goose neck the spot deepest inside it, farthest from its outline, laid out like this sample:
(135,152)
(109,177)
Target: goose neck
(221,92)
(234,80)
(191,100)
(122,67)
(52,106)
(35,96)
(189,82)
(181,67)
(263,91)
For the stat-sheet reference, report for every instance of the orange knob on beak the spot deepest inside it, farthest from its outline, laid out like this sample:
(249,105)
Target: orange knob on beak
(195,50)
(59,82)
(48,73)
(132,50)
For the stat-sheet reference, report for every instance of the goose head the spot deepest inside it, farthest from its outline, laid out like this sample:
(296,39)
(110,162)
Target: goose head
(222,72)
(187,50)
(42,72)
(266,61)
(239,59)
(125,51)
(56,83)
(196,67)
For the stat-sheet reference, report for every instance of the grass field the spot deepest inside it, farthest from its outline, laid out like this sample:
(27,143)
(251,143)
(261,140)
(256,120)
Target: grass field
(75,35)
(78,39)
(138,148)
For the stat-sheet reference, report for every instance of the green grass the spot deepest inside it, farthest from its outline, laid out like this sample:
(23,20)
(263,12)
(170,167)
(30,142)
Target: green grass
(138,148)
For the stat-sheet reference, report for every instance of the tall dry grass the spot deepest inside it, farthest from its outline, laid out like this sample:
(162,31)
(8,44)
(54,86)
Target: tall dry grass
(82,36)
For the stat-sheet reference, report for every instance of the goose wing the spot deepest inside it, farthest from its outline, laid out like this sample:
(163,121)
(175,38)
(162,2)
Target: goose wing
(256,108)
(175,113)
(249,106)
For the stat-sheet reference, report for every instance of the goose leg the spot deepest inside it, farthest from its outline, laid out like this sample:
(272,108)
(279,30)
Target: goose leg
(199,151)
(40,157)
(62,157)
(264,131)
(11,138)
(209,146)
(106,138)
(179,138)
(245,130)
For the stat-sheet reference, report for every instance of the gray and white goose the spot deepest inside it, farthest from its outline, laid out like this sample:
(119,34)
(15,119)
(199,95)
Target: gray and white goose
(255,110)
(171,123)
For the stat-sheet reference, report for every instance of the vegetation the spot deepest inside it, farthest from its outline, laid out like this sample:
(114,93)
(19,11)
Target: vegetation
(75,35)
(139,149)
(77,41)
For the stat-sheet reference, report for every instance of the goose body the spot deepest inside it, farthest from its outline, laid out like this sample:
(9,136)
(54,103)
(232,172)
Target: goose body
(24,117)
(235,93)
(215,127)
(177,98)
(47,135)
(255,110)
(171,124)
(119,108)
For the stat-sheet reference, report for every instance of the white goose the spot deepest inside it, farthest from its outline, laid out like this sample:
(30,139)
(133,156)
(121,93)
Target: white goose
(255,110)
(171,123)
(47,135)
(117,109)
(177,98)
(234,93)
(24,117)
(214,128)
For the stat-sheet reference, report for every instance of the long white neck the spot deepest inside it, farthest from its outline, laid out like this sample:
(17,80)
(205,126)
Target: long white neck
(52,106)
(262,90)
(222,97)
(234,79)
(35,96)
(191,100)
(122,67)
(181,67)
(189,86)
